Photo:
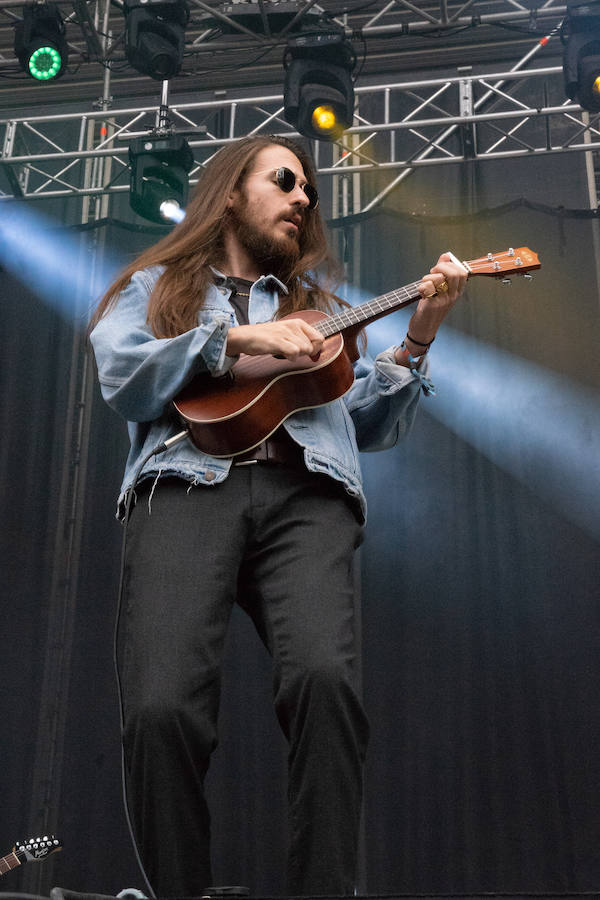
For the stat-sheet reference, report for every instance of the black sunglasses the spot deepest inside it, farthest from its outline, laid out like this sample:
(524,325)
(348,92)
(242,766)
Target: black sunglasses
(286,180)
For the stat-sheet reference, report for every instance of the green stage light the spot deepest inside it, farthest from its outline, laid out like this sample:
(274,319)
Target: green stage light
(45,63)
(40,43)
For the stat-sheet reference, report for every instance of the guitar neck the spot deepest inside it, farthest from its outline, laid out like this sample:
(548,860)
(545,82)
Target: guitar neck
(34,849)
(370,311)
(495,265)
(9,862)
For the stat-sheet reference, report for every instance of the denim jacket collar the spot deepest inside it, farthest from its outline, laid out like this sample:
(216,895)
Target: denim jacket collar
(265,282)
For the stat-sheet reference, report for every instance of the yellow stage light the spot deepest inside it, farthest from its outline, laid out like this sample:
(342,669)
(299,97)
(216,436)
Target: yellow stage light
(324,119)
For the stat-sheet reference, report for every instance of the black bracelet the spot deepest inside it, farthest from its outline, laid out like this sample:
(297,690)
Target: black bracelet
(419,343)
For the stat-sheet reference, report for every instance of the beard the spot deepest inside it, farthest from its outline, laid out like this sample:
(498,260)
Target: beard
(274,255)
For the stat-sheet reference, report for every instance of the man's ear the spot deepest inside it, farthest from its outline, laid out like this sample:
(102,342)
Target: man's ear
(233,197)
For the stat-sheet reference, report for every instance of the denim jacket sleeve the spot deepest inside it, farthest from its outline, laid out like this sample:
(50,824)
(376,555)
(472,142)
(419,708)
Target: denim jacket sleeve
(382,401)
(139,374)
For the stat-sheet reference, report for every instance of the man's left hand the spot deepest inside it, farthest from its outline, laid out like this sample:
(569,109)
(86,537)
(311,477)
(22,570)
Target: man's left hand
(440,289)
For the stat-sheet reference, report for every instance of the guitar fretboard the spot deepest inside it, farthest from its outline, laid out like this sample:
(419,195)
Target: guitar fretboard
(494,264)
(370,310)
(9,862)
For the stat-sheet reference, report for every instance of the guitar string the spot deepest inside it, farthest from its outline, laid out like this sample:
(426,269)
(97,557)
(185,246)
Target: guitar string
(394,298)
(386,302)
(373,307)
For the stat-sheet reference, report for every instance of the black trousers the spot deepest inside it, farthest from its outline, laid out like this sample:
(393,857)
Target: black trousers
(279,541)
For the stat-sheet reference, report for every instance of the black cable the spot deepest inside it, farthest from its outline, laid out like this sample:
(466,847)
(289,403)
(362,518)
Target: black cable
(343,10)
(245,65)
(356,75)
(521,29)
(160,448)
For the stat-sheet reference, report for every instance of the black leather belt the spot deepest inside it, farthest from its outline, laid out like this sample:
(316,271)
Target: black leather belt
(273,450)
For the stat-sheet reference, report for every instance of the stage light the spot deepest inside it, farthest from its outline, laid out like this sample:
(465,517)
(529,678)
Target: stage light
(324,118)
(159,175)
(40,44)
(155,36)
(171,211)
(580,35)
(318,95)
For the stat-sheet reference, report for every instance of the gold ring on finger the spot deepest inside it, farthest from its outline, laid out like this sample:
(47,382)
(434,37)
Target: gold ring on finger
(442,287)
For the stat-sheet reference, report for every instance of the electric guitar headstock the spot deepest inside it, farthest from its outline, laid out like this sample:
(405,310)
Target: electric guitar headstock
(519,261)
(31,850)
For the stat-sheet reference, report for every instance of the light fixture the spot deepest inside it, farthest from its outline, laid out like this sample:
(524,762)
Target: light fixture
(318,94)
(155,36)
(171,211)
(159,176)
(40,43)
(580,35)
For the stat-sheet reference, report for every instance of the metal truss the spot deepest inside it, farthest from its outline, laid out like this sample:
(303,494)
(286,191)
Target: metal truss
(398,127)
(218,27)
(223,40)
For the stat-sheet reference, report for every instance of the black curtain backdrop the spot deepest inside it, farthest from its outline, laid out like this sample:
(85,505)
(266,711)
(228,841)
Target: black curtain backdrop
(480,596)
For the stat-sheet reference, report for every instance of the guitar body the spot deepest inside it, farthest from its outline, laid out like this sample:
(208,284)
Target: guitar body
(229,415)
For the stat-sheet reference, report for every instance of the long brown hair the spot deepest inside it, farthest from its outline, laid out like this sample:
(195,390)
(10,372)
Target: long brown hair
(197,242)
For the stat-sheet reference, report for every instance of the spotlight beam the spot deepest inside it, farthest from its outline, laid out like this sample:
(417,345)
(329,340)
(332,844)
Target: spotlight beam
(539,426)
(52,262)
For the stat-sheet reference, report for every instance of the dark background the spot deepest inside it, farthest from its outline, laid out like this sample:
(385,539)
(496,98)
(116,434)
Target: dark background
(479,593)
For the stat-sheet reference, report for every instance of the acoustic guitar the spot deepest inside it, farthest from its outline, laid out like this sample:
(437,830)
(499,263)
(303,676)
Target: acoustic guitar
(230,415)
(33,850)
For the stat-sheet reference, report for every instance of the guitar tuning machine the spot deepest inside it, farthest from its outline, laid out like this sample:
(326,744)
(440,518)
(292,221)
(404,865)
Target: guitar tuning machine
(527,276)
(506,281)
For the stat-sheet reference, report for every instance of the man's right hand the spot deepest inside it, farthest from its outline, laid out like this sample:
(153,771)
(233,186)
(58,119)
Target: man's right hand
(289,338)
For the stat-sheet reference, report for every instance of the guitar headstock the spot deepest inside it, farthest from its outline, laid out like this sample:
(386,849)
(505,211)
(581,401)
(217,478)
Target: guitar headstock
(37,849)
(508,262)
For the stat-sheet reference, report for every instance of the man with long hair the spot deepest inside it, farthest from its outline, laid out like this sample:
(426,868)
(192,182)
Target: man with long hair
(272,529)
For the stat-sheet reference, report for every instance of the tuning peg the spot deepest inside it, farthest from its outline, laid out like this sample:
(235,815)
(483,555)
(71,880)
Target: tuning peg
(527,276)
(506,281)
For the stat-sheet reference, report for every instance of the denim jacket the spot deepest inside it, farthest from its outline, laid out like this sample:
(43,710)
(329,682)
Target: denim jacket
(141,374)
